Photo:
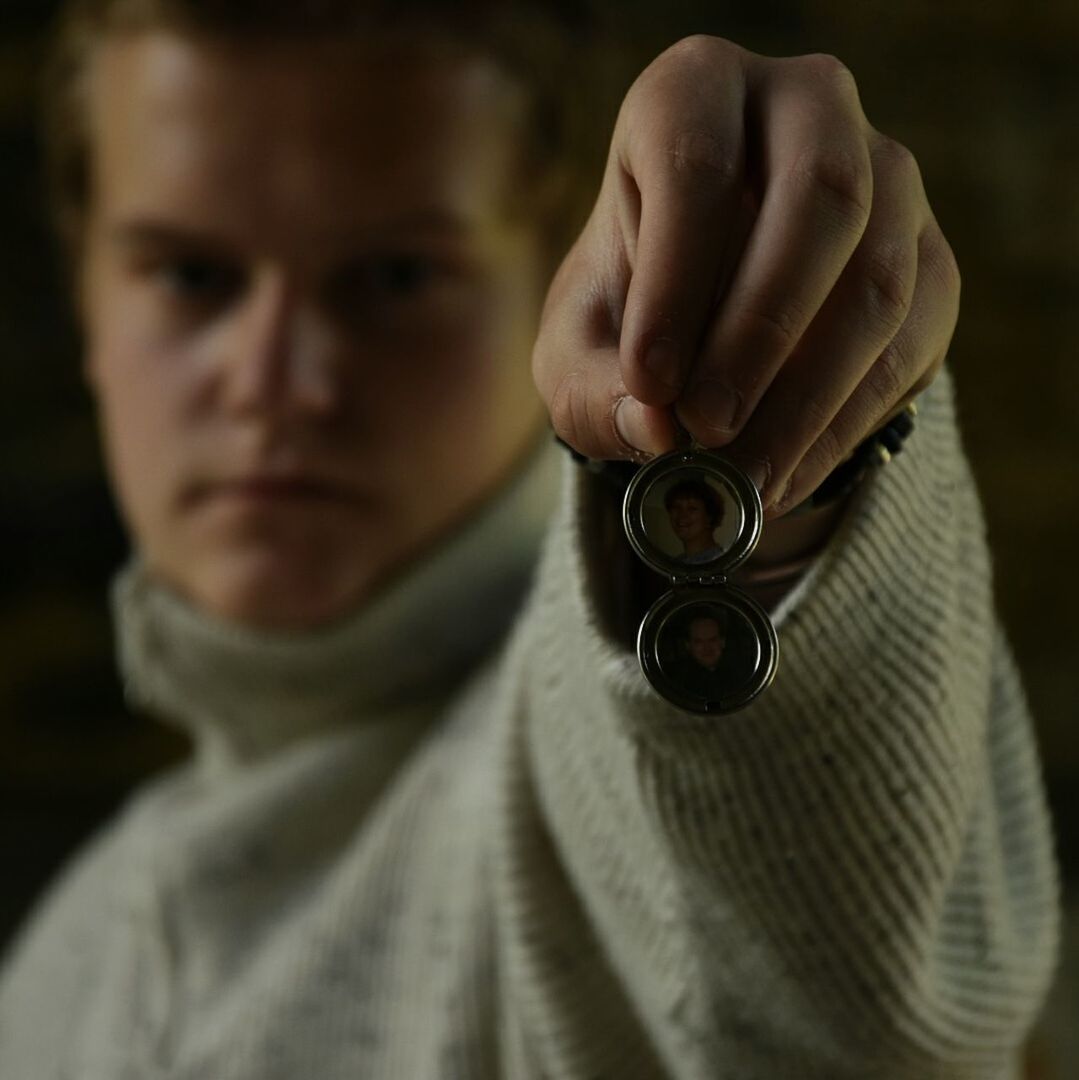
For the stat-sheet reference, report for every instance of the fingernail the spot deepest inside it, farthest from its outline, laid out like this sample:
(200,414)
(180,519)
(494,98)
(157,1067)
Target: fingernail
(663,360)
(757,469)
(782,502)
(630,424)
(716,403)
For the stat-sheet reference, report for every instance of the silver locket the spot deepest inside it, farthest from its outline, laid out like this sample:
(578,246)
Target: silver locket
(705,645)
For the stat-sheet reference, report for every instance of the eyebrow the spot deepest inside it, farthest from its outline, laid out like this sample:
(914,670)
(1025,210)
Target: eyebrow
(149,232)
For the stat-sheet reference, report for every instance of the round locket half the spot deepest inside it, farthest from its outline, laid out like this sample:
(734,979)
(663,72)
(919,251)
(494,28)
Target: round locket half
(692,513)
(711,649)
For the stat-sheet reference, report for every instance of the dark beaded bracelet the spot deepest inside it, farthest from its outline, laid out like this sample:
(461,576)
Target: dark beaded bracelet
(878,449)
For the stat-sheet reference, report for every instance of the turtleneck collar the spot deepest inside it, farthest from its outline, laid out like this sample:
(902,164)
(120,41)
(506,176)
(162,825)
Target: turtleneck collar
(244,692)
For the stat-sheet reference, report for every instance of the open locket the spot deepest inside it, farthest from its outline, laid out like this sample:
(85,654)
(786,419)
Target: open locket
(704,645)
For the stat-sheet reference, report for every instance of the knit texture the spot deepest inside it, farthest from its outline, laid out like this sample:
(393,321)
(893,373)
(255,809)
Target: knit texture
(544,870)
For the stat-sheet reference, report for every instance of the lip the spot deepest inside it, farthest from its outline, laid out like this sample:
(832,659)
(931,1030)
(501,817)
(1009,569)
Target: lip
(269,490)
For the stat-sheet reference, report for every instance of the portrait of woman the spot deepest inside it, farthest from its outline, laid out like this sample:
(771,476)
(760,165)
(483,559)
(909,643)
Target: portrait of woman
(695,511)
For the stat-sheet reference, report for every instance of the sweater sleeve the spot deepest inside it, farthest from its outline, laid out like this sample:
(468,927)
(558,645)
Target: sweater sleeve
(852,877)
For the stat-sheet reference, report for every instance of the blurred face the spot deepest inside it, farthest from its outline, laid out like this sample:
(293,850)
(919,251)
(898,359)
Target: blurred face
(706,642)
(308,311)
(690,520)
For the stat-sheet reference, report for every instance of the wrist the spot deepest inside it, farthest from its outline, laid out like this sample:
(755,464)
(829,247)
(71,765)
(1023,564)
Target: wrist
(788,547)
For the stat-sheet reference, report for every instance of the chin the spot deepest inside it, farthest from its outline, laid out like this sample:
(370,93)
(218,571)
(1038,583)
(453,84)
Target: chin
(267,593)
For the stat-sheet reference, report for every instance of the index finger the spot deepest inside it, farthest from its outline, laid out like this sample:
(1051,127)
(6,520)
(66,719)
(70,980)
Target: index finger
(682,153)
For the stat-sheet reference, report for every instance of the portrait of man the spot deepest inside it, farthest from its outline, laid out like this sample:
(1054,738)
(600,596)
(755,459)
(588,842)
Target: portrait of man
(707,641)
(712,651)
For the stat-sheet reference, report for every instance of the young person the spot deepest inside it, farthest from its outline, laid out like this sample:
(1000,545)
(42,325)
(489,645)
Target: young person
(311,244)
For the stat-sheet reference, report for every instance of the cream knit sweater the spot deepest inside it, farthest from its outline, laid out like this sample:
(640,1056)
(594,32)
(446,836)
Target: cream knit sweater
(376,868)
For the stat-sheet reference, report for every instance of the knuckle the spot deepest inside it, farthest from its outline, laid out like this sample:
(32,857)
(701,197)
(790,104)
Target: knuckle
(565,410)
(773,328)
(693,56)
(701,156)
(891,154)
(928,376)
(657,114)
(696,50)
(827,452)
(827,68)
(823,71)
(577,419)
(889,379)
(936,254)
(888,284)
(842,180)
(816,414)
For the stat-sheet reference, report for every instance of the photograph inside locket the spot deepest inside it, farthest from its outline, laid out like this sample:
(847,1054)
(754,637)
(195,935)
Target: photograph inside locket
(691,517)
(708,649)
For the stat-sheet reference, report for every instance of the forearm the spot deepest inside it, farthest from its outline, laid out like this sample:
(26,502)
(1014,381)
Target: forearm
(826,864)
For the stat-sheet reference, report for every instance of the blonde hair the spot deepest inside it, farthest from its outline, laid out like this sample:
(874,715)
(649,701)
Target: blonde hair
(553,50)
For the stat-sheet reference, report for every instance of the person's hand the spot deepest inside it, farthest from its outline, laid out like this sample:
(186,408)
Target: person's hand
(759,258)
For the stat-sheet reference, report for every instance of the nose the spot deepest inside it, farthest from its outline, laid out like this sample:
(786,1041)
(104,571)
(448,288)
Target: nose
(281,354)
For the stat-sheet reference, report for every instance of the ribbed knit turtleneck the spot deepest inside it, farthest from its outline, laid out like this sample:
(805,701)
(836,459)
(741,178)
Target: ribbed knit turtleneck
(551,872)
(242,692)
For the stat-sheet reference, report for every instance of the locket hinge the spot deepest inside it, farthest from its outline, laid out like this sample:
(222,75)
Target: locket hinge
(680,581)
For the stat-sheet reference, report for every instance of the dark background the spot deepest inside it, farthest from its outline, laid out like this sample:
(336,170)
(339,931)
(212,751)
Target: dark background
(983,92)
